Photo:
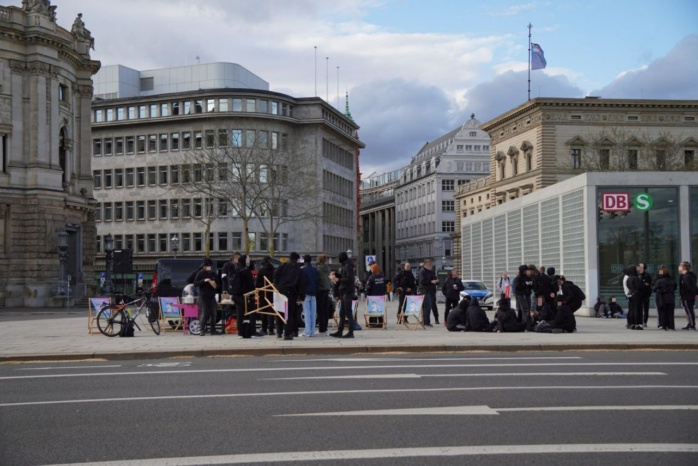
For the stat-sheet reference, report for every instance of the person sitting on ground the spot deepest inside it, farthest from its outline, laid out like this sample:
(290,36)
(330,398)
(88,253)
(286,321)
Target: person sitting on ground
(457,316)
(601,309)
(475,318)
(615,308)
(564,318)
(505,318)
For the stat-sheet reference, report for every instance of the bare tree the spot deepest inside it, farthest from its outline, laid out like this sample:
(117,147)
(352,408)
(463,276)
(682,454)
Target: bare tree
(662,153)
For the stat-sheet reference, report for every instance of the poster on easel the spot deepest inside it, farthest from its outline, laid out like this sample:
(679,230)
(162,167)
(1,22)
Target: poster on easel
(281,305)
(413,305)
(95,304)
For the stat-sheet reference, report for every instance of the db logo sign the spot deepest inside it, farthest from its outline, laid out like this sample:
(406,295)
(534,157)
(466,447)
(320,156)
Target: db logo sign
(615,202)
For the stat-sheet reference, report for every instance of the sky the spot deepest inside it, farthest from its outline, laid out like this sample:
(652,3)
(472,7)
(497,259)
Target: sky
(413,69)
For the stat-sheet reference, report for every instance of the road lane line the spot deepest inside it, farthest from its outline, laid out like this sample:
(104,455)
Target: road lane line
(348,392)
(601,408)
(276,369)
(65,367)
(501,374)
(424,359)
(419,452)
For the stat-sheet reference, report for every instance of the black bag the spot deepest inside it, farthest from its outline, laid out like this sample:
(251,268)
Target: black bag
(246,329)
(578,293)
(128,329)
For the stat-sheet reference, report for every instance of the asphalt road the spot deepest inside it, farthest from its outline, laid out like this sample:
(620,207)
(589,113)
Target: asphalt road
(625,408)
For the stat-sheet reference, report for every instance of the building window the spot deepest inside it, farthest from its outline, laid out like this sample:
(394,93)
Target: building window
(473,134)
(174,208)
(186,140)
(110,114)
(447,185)
(152,210)
(174,141)
(223,241)
(223,105)
(119,212)
(515,165)
(164,110)
(132,113)
(108,146)
(174,174)
(198,140)
(152,143)
(605,159)
(198,241)
(129,211)
(97,179)
(108,179)
(98,213)
(119,178)
(130,144)
(163,175)
(210,138)
(186,242)
(459,147)
(529,162)
(237,105)
(576,155)
(251,105)
(689,157)
(222,138)
(128,241)
(142,111)
(140,176)
(107,212)
(99,116)
(198,106)
(163,142)
(152,176)
(186,208)
(152,246)
(140,147)
(140,210)
(119,146)
(198,208)
(162,207)
(210,105)
(153,111)
(140,243)
(236,244)
(448,227)
(236,137)
(147,84)
(120,114)
(162,239)
(448,206)
(250,137)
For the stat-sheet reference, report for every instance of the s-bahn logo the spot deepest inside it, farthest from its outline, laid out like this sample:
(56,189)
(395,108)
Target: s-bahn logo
(621,202)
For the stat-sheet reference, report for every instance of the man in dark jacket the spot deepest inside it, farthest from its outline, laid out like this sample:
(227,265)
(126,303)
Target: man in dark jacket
(405,284)
(227,271)
(553,284)
(266,270)
(505,318)
(475,318)
(632,287)
(288,280)
(241,282)
(344,277)
(571,293)
(564,318)
(522,289)
(645,291)
(457,318)
(664,290)
(543,289)
(428,282)
(207,282)
(451,290)
(688,290)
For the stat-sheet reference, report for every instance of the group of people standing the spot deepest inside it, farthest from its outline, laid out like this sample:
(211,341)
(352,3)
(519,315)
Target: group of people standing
(425,283)
(638,286)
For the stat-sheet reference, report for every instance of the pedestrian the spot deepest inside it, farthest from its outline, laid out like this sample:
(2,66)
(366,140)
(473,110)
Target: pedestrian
(632,287)
(664,288)
(505,318)
(406,285)
(574,296)
(550,272)
(288,280)
(375,286)
(615,308)
(504,285)
(344,277)
(310,277)
(534,285)
(457,318)
(240,283)
(266,271)
(522,289)
(543,289)
(475,318)
(428,282)
(564,322)
(324,303)
(207,282)
(645,291)
(451,290)
(688,292)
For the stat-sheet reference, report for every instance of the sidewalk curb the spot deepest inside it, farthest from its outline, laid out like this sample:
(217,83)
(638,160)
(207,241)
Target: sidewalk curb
(346,350)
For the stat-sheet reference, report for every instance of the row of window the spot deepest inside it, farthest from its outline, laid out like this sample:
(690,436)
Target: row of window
(190,107)
(632,158)
(337,184)
(194,242)
(173,209)
(421,250)
(472,148)
(186,140)
(413,212)
(448,226)
(333,152)
(335,244)
(336,215)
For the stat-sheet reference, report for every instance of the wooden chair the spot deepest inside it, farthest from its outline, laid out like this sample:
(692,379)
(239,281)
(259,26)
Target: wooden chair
(169,313)
(375,308)
(412,307)
(95,304)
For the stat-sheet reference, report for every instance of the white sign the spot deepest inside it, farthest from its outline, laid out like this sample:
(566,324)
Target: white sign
(369,259)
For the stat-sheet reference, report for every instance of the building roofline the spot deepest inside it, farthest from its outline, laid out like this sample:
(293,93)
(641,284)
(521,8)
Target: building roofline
(587,102)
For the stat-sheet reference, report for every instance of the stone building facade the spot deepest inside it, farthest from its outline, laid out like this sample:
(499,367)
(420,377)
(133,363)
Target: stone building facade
(46,201)
(141,142)
(549,140)
(378,221)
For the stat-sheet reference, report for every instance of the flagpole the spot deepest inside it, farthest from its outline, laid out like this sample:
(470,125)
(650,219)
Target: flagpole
(316,71)
(327,79)
(529,60)
(337,88)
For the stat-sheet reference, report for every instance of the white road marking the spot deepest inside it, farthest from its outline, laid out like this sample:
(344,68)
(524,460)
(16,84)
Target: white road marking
(484,410)
(344,368)
(419,452)
(490,374)
(349,392)
(166,364)
(64,367)
(423,359)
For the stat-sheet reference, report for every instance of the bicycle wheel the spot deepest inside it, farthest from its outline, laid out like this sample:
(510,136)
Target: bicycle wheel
(109,322)
(154,324)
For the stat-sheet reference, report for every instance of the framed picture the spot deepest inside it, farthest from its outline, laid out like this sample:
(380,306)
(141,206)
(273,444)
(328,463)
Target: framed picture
(375,305)
(96,304)
(167,310)
(413,305)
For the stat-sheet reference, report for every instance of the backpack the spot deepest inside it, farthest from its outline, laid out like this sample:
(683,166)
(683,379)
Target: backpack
(246,329)
(578,293)
(128,329)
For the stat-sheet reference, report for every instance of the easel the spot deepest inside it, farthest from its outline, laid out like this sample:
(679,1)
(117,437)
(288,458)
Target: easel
(379,302)
(412,311)
(277,308)
(338,310)
(95,304)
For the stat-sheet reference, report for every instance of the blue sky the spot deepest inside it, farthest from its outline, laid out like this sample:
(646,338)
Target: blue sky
(414,69)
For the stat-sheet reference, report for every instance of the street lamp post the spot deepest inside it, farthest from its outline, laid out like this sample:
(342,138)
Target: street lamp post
(109,249)
(443,263)
(63,258)
(175,244)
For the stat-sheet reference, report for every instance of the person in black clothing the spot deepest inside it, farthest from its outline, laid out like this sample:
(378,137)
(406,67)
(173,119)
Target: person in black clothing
(553,284)
(664,288)
(266,270)
(564,317)
(240,282)
(645,291)
(451,290)
(615,307)
(522,289)
(505,318)
(345,278)
(288,280)
(227,271)
(405,285)
(475,318)
(428,282)
(632,287)
(207,282)
(456,320)
(570,293)
(543,289)
(688,290)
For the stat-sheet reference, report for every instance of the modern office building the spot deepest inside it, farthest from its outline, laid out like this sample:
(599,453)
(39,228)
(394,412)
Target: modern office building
(149,131)
(47,230)
(378,221)
(543,145)
(424,195)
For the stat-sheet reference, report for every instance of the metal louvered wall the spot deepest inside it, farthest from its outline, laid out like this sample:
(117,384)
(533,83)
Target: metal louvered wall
(466,251)
(531,240)
(573,265)
(488,273)
(550,233)
(476,245)
(514,240)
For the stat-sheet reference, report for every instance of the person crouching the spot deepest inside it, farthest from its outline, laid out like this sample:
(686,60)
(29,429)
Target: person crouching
(475,318)
(505,318)
(457,317)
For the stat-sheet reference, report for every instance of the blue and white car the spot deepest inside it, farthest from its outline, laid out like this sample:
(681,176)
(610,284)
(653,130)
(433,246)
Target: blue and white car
(477,289)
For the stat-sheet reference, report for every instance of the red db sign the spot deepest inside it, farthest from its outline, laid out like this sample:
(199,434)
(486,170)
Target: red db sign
(615,202)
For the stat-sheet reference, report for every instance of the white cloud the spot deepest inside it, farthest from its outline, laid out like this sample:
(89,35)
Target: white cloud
(514,10)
